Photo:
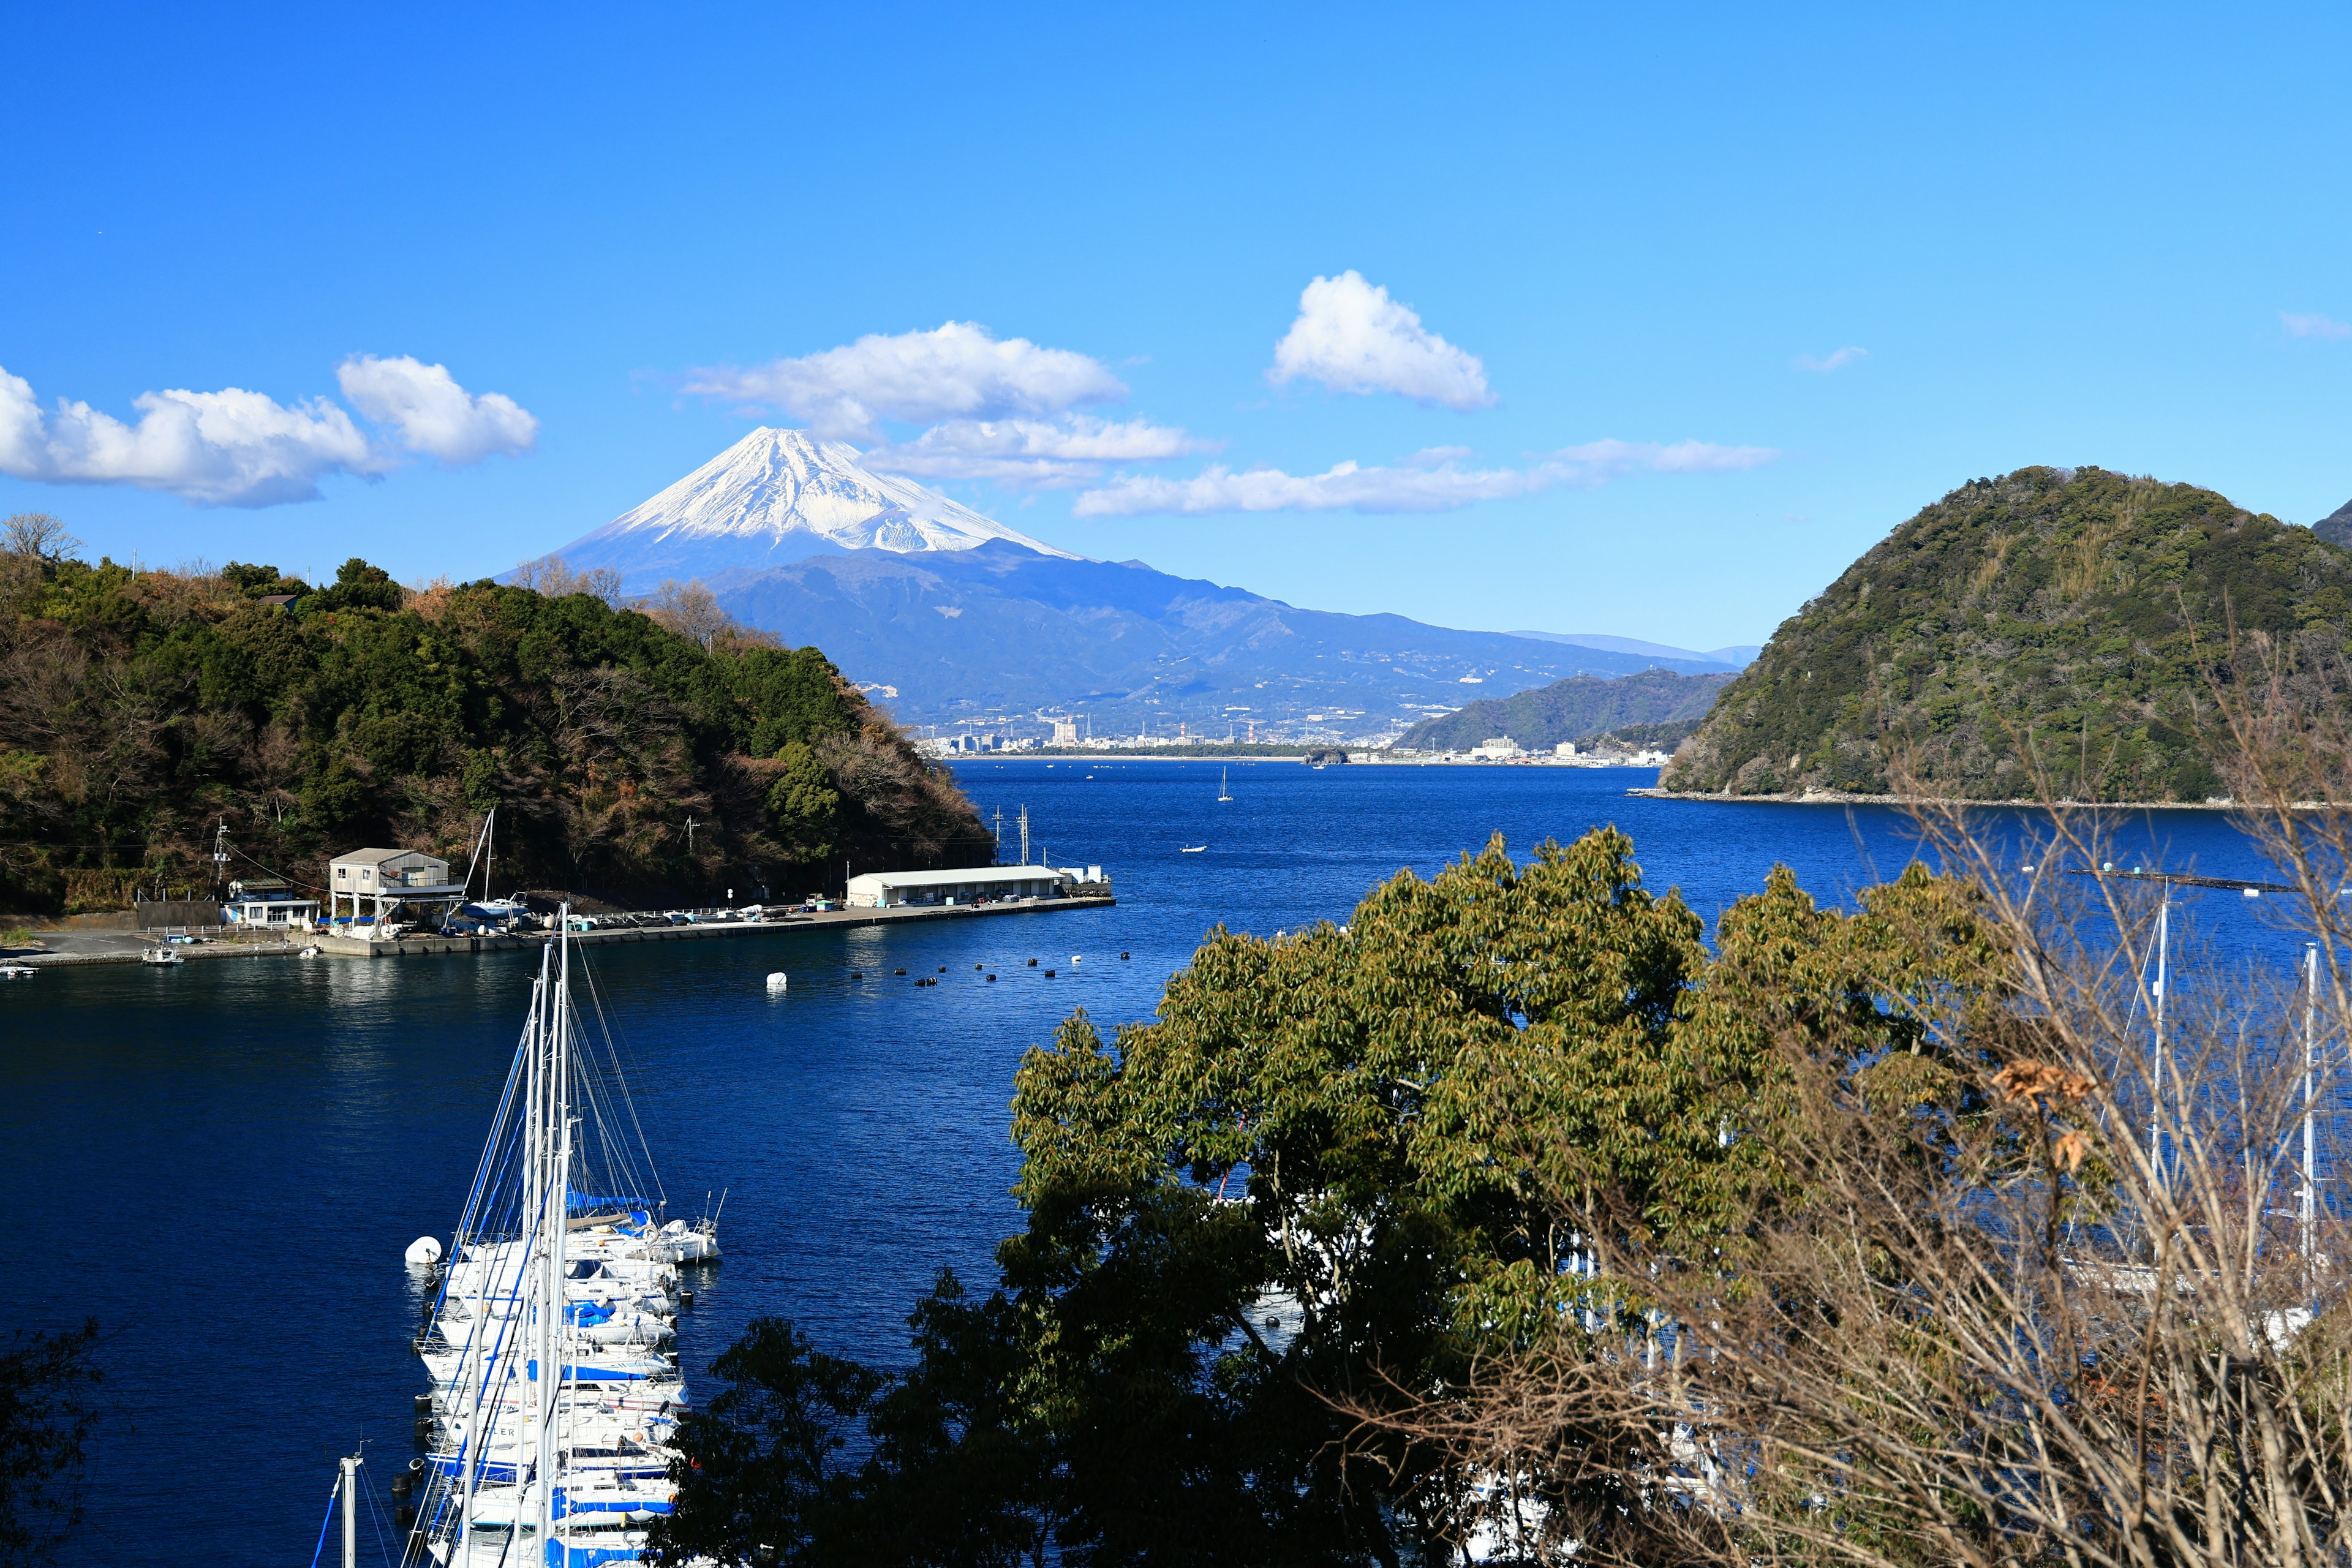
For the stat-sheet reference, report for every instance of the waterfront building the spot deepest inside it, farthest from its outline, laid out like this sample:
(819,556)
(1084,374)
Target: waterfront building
(266,901)
(380,882)
(889,890)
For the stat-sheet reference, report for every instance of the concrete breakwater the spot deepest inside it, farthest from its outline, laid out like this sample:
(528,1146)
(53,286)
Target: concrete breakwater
(113,947)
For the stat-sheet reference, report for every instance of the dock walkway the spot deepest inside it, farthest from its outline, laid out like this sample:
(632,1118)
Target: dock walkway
(126,950)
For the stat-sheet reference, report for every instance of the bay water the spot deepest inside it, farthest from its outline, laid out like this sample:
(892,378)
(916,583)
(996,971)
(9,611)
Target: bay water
(222,1162)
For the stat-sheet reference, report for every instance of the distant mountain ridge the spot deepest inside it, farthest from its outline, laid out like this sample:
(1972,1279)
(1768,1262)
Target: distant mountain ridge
(777,496)
(2336,526)
(2058,621)
(954,619)
(1736,657)
(995,631)
(1577,708)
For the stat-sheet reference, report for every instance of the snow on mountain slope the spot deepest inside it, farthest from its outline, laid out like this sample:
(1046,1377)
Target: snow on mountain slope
(777,496)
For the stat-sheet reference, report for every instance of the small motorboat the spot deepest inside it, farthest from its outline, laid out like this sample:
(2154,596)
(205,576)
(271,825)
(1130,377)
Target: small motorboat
(162,956)
(311,951)
(1192,849)
(17,972)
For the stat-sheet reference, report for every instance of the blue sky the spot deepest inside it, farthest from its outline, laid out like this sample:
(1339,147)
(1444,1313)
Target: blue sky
(2117,236)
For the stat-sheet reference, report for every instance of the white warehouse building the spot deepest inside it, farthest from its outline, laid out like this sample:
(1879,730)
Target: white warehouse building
(887,889)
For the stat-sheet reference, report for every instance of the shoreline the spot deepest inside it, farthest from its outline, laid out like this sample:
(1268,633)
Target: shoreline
(1842,797)
(435,946)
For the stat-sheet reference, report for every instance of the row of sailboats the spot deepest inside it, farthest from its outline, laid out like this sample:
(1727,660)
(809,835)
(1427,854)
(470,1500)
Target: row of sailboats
(551,1340)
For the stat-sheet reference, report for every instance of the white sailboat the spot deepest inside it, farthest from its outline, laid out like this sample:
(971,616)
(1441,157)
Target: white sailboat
(555,1390)
(1222,792)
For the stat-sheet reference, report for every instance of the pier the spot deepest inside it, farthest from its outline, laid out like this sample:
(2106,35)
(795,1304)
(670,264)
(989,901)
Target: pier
(124,947)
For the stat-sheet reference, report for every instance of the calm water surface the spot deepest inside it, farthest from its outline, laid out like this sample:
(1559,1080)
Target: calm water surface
(226,1161)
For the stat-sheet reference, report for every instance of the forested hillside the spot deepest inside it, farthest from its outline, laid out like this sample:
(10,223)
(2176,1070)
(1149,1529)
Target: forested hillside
(2054,628)
(1576,709)
(138,708)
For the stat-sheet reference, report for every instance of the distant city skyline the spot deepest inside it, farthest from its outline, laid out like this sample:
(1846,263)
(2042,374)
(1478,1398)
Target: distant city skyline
(1571,319)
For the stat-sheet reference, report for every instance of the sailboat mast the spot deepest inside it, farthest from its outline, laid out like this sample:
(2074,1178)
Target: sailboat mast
(556,1133)
(350,1513)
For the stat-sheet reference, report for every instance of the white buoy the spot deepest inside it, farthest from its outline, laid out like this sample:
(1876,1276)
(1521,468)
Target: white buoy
(1074,958)
(423,1251)
(776,981)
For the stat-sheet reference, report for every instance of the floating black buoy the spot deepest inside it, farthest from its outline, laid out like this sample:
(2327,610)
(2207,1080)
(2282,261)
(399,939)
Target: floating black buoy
(980,966)
(894,971)
(857,974)
(424,1430)
(1033,963)
(403,1516)
(685,1297)
(1049,975)
(402,1484)
(425,1405)
(991,977)
(943,969)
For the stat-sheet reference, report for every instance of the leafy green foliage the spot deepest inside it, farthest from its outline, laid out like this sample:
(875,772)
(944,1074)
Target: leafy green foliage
(768,1477)
(2059,622)
(1347,1166)
(45,1418)
(137,709)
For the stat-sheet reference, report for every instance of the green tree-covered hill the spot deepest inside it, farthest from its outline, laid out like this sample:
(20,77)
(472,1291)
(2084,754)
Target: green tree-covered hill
(1576,709)
(2069,620)
(138,709)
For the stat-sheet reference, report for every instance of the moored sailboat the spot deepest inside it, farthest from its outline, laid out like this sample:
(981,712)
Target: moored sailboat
(549,1348)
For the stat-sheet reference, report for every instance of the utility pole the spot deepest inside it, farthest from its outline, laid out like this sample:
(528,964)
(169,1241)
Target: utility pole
(2155,1091)
(1000,835)
(690,826)
(1024,836)
(2310,1205)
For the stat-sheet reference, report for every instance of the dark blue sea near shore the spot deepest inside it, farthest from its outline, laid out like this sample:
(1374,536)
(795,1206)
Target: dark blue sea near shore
(222,1162)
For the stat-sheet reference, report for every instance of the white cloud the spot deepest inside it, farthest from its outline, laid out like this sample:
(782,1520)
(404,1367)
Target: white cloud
(959,372)
(431,413)
(1055,453)
(1597,460)
(230,447)
(1836,360)
(2304,324)
(234,447)
(1352,337)
(1444,485)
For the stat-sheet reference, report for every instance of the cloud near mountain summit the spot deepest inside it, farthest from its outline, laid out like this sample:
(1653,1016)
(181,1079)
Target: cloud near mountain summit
(996,408)
(1422,485)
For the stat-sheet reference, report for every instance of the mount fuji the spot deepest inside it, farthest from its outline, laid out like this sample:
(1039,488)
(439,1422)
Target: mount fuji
(778,495)
(957,619)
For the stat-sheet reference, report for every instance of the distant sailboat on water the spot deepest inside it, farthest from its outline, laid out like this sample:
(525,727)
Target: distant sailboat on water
(1222,794)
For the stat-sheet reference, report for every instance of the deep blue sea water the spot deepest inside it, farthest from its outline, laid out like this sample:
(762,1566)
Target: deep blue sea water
(222,1162)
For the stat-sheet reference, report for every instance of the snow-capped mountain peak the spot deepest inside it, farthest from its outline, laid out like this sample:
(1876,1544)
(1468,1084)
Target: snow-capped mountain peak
(777,496)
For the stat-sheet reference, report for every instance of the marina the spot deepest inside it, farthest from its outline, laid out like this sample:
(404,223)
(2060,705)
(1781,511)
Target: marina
(551,1345)
(339,1108)
(123,947)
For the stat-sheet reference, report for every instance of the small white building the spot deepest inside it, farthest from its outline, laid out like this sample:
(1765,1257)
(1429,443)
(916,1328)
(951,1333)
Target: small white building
(991,884)
(379,882)
(1564,749)
(259,901)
